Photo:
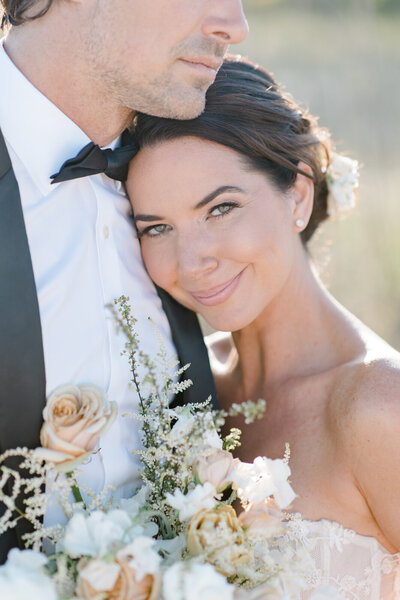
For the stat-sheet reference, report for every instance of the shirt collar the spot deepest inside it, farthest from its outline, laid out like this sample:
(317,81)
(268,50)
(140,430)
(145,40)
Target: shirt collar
(41,135)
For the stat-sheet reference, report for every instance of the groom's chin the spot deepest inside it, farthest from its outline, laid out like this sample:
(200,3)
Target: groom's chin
(187,103)
(188,106)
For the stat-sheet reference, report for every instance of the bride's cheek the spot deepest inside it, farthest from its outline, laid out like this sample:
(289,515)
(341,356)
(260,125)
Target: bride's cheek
(158,263)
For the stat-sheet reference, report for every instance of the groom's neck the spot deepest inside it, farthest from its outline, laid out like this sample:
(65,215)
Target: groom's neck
(53,63)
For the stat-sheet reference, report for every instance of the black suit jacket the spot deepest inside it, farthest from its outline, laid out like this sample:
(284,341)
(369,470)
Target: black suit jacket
(22,370)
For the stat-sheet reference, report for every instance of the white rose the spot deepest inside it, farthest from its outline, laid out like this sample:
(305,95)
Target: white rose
(74,419)
(263,478)
(141,556)
(202,496)
(193,581)
(23,577)
(96,534)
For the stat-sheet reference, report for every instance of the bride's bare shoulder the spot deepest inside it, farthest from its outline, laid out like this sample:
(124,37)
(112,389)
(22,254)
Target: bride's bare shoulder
(221,351)
(371,388)
(370,434)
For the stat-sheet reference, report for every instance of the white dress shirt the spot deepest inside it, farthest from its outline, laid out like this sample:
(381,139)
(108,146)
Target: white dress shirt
(85,253)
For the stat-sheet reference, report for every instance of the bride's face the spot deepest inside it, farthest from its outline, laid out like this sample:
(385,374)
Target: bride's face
(215,234)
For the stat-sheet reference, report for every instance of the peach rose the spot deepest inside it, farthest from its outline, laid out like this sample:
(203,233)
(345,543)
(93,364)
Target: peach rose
(215,467)
(218,535)
(116,581)
(74,419)
(263,518)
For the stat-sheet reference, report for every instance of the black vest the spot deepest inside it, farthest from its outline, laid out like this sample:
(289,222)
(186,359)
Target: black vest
(22,372)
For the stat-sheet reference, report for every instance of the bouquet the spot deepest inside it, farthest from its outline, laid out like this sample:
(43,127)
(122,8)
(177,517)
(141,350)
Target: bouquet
(179,537)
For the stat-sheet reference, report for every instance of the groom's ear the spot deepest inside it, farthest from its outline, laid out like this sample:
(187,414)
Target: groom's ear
(302,193)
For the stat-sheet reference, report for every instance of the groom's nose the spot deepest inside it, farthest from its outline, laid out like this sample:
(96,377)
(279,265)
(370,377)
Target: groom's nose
(226,22)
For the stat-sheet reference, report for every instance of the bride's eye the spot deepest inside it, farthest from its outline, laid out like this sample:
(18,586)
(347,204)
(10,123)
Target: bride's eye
(222,209)
(153,231)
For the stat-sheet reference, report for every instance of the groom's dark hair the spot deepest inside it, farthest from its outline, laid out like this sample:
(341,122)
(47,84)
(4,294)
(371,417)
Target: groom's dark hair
(16,12)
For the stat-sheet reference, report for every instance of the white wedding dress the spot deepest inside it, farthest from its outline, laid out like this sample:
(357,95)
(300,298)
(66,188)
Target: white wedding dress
(356,566)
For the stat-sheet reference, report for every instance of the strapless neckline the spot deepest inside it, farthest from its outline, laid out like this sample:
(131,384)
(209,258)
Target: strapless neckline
(356,566)
(344,531)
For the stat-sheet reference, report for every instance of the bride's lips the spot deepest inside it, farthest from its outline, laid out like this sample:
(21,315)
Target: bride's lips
(217,295)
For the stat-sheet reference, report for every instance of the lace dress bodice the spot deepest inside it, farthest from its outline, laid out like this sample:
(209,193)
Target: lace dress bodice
(357,566)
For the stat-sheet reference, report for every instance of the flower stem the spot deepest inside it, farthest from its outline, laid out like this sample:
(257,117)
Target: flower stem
(76,491)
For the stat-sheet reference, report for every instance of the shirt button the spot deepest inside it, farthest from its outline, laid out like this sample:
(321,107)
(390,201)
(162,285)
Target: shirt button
(106,232)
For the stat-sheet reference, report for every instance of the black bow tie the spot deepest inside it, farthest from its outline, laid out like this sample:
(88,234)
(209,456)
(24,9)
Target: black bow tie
(92,160)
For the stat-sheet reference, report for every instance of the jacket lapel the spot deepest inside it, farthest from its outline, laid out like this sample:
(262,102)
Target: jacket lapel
(22,374)
(190,346)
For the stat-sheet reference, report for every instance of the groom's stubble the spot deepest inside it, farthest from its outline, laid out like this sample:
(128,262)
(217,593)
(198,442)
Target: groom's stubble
(139,67)
(167,93)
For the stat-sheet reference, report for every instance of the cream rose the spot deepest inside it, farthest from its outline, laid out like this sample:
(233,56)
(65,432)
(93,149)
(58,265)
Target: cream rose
(74,419)
(217,535)
(117,581)
(263,518)
(214,466)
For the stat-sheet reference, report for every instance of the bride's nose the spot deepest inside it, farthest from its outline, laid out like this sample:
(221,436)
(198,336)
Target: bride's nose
(196,257)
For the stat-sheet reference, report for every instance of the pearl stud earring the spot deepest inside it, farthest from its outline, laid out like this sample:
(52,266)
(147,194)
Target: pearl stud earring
(300,223)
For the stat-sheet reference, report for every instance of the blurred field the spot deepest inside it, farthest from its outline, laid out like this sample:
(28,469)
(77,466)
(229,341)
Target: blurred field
(342,60)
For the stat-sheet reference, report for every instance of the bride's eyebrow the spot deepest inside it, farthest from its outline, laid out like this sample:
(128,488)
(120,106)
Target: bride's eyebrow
(223,189)
(147,218)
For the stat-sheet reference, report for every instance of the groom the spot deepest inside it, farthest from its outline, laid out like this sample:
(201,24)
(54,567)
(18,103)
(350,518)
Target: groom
(73,73)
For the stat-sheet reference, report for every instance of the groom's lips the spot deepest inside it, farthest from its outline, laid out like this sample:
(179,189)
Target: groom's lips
(204,65)
(220,293)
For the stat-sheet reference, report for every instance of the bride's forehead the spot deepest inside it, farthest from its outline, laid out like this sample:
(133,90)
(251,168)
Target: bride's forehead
(185,155)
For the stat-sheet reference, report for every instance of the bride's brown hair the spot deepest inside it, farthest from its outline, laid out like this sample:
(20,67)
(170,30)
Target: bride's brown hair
(16,12)
(246,110)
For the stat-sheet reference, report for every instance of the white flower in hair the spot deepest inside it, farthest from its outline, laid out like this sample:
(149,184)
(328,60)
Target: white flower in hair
(342,175)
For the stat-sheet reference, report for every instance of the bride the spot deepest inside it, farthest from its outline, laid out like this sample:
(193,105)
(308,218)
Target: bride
(225,206)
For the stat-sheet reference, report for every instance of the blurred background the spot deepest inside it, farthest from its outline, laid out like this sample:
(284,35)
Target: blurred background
(341,59)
